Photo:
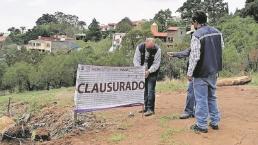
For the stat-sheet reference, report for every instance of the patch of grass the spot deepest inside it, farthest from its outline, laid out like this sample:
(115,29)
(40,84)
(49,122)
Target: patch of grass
(254,81)
(171,85)
(167,135)
(36,100)
(164,119)
(117,137)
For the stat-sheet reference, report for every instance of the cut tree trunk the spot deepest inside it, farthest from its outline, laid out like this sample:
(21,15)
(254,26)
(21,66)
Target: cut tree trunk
(234,81)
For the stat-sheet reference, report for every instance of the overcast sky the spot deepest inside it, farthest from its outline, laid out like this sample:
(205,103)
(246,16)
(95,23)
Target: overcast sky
(25,12)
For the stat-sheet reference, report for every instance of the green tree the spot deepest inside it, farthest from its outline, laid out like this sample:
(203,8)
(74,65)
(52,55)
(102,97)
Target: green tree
(189,7)
(68,19)
(251,9)
(216,9)
(240,36)
(46,19)
(124,26)
(132,39)
(23,28)
(17,76)
(162,18)
(145,28)
(94,32)
(3,67)
(82,24)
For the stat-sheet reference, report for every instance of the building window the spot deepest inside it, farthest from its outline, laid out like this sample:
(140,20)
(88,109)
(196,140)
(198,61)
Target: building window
(48,44)
(170,39)
(37,44)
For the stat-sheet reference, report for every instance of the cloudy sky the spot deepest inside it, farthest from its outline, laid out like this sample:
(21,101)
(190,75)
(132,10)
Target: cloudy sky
(25,12)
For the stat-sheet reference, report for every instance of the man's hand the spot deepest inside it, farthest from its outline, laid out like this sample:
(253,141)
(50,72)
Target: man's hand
(171,54)
(190,78)
(146,73)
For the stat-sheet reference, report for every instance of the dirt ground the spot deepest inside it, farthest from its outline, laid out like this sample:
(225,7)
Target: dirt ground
(125,126)
(239,124)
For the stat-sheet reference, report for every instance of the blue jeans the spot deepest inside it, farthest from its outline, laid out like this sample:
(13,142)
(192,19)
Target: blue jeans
(206,101)
(190,100)
(149,93)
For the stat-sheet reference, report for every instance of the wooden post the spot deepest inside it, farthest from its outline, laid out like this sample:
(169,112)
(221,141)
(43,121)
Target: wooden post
(8,107)
(75,118)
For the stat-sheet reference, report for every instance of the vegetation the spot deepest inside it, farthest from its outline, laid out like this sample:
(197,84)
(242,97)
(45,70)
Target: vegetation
(94,33)
(251,9)
(115,138)
(124,26)
(36,100)
(214,8)
(162,18)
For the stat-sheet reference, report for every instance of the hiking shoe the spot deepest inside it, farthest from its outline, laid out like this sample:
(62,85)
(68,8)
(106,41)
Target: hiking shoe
(186,116)
(149,113)
(197,129)
(214,127)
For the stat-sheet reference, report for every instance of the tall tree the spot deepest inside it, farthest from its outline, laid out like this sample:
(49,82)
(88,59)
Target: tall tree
(124,26)
(11,29)
(46,19)
(216,9)
(189,7)
(251,9)
(63,18)
(23,28)
(162,18)
(94,32)
(81,24)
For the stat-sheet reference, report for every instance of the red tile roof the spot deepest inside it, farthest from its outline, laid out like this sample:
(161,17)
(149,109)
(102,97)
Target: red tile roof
(159,34)
(47,38)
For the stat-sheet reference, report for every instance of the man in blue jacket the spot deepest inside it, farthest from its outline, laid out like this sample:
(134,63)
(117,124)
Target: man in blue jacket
(204,64)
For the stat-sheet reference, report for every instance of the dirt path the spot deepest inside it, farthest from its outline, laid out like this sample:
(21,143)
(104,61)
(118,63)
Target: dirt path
(239,124)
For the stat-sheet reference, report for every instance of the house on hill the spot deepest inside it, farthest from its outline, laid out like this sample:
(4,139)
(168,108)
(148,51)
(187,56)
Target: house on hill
(112,26)
(171,35)
(56,43)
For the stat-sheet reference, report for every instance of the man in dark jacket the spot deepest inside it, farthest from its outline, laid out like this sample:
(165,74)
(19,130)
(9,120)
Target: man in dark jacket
(204,64)
(148,54)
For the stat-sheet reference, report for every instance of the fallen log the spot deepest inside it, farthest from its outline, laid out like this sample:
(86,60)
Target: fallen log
(234,81)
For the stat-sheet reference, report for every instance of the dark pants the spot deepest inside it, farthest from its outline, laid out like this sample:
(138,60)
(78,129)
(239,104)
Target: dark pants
(190,100)
(149,93)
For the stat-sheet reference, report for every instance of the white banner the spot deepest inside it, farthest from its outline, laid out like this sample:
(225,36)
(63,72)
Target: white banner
(101,87)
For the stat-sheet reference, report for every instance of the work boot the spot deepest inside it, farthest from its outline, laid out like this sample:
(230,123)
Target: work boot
(186,116)
(148,113)
(197,129)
